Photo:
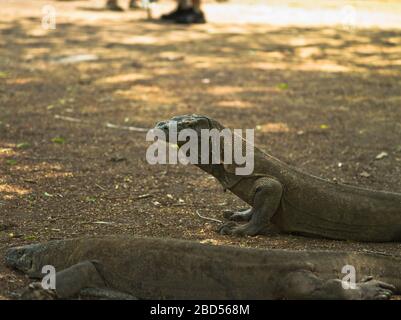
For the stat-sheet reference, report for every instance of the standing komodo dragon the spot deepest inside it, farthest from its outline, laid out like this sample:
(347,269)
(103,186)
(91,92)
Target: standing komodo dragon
(148,268)
(294,201)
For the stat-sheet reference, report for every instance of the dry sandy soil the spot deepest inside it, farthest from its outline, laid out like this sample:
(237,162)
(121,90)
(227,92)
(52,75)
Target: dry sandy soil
(326,99)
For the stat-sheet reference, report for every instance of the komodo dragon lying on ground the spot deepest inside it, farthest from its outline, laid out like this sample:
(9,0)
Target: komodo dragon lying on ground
(148,268)
(297,202)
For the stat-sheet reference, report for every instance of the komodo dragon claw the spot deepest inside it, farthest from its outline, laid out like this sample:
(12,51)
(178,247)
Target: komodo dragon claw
(233,228)
(375,290)
(240,215)
(35,291)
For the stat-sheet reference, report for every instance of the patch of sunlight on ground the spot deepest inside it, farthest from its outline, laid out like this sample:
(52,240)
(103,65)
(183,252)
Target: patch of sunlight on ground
(38,31)
(40,167)
(130,77)
(141,40)
(234,104)
(308,52)
(357,16)
(273,127)
(31,53)
(56,175)
(147,93)
(205,62)
(268,65)
(8,191)
(225,90)
(171,56)
(326,66)
(6,152)
(20,81)
(166,71)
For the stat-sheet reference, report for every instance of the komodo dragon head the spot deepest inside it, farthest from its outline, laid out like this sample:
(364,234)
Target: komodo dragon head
(21,258)
(198,123)
(194,122)
(31,258)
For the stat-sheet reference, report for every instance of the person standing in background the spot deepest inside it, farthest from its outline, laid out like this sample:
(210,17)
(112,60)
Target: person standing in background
(187,11)
(113,5)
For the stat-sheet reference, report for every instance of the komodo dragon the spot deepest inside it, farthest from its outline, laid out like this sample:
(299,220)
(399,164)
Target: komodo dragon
(149,268)
(297,202)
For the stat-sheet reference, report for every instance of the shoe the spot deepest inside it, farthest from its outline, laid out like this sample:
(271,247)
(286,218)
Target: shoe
(190,17)
(134,5)
(113,6)
(175,14)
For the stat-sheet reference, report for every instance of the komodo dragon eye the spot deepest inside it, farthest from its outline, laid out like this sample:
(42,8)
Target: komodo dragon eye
(188,122)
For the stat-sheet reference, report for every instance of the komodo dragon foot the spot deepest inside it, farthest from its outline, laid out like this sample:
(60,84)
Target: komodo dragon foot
(304,284)
(373,290)
(232,228)
(35,291)
(240,215)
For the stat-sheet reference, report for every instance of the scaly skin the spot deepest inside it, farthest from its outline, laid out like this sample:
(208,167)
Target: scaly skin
(297,202)
(117,267)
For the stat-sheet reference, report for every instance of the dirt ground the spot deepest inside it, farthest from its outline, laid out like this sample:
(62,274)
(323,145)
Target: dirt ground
(326,99)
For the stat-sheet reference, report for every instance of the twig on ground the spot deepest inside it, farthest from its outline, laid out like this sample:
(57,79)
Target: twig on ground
(100,187)
(107,124)
(112,197)
(208,218)
(71,119)
(44,158)
(144,196)
(114,126)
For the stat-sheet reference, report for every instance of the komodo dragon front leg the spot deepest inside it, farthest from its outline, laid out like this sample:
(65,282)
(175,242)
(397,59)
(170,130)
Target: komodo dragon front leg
(80,280)
(266,200)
